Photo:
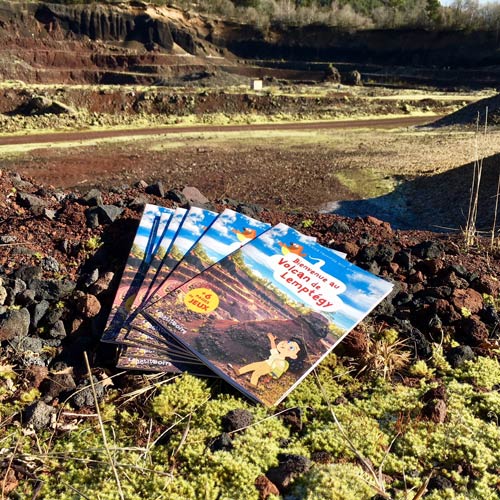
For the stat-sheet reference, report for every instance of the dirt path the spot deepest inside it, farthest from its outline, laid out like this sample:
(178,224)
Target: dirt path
(106,134)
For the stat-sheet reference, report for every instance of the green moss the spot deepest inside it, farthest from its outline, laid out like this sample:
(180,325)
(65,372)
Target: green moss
(182,397)
(484,372)
(420,369)
(342,481)
(182,465)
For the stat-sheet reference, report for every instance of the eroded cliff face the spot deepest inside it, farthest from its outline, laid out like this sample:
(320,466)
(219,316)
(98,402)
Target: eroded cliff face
(99,22)
(44,42)
(416,47)
(106,23)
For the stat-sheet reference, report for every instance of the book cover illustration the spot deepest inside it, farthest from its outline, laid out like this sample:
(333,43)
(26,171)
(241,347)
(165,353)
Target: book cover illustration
(263,317)
(196,222)
(160,255)
(229,232)
(153,221)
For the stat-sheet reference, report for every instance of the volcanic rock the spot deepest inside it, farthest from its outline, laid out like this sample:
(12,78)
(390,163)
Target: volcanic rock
(457,356)
(93,198)
(472,331)
(156,189)
(223,442)
(195,197)
(31,202)
(108,213)
(14,323)
(50,264)
(39,312)
(53,290)
(176,196)
(237,419)
(289,467)
(467,299)
(38,415)
(265,487)
(88,305)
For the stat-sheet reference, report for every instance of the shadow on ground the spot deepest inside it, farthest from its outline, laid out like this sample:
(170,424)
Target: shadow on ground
(436,203)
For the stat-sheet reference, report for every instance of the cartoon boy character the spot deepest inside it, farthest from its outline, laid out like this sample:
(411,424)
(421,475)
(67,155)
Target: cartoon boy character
(276,365)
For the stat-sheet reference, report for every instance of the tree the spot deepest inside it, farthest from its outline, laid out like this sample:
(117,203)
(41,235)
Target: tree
(433,11)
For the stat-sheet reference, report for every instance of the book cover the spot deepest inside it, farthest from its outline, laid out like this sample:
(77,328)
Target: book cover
(196,222)
(148,235)
(151,339)
(230,231)
(131,358)
(266,315)
(160,255)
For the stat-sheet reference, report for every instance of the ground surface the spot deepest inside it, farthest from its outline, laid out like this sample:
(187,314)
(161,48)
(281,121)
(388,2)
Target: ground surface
(305,166)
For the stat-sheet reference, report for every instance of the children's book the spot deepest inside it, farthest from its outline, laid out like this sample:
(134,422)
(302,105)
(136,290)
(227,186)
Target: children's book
(160,256)
(141,332)
(196,222)
(266,315)
(135,359)
(153,222)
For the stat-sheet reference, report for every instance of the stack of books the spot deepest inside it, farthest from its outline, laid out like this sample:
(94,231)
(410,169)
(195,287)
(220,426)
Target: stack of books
(230,296)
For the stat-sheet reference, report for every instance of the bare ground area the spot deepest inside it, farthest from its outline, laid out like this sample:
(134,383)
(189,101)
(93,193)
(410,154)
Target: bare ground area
(291,169)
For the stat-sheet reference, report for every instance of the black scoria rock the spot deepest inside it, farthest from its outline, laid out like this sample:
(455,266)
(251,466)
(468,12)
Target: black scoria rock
(92,217)
(404,259)
(289,467)
(39,312)
(108,213)
(38,415)
(26,298)
(176,196)
(293,418)
(14,287)
(14,323)
(222,442)
(93,198)
(339,226)
(31,202)
(457,356)
(58,331)
(50,264)
(156,189)
(236,419)
(53,290)
(28,273)
(84,396)
(439,483)
(250,209)
(428,249)
(137,203)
